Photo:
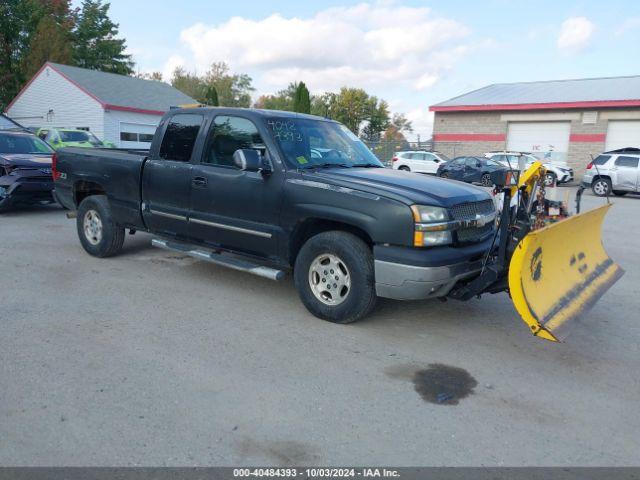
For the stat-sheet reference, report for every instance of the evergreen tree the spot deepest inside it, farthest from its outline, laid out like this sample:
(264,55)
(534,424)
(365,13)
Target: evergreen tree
(97,45)
(301,99)
(51,42)
(211,96)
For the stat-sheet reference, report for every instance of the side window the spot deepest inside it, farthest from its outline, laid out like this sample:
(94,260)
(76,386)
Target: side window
(180,137)
(601,159)
(459,161)
(228,135)
(628,162)
(471,162)
(428,156)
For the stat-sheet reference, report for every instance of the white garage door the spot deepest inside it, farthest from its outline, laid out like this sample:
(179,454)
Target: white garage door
(136,135)
(546,140)
(623,133)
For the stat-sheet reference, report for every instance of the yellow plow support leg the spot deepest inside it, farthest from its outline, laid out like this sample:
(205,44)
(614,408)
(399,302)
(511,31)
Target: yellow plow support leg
(557,273)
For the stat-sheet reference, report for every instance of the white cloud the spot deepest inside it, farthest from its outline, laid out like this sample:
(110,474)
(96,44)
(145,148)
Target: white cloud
(422,121)
(365,45)
(575,34)
(170,65)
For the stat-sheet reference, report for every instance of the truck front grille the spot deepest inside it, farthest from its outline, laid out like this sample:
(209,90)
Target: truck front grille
(469,211)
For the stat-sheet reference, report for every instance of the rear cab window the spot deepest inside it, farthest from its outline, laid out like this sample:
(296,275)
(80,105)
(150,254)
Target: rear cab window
(180,137)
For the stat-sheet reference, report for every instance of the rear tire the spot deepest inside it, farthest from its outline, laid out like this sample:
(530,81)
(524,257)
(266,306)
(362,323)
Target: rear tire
(404,168)
(99,235)
(344,291)
(619,193)
(601,187)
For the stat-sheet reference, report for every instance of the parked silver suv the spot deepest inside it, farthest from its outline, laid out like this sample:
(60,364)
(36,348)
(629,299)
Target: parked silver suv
(614,172)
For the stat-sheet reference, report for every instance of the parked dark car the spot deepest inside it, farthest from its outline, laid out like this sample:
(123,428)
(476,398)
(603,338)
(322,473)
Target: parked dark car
(271,192)
(25,169)
(470,170)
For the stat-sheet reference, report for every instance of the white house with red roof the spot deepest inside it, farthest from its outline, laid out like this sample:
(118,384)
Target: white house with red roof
(118,108)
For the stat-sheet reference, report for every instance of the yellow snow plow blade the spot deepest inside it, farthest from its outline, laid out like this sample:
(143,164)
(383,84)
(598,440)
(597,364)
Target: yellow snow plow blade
(558,272)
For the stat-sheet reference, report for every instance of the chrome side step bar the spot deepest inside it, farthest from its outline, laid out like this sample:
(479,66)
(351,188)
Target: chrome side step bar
(202,253)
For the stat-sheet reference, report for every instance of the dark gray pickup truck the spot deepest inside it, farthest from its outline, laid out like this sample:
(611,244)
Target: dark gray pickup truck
(272,192)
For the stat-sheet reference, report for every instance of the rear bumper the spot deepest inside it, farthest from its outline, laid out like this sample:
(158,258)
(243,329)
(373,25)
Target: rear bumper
(415,274)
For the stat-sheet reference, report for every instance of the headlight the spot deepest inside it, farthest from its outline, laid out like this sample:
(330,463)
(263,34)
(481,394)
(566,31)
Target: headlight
(424,214)
(431,227)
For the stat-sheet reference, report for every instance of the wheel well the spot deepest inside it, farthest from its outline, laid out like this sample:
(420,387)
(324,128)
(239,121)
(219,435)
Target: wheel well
(84,189)
(598,177)
(313,226)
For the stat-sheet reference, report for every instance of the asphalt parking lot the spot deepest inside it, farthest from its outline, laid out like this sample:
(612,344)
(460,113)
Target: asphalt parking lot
(152,358)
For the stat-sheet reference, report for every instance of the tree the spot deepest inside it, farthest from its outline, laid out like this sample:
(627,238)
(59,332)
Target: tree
(211,96)
(156,76)
(96,42)
(51,42)
(401,124)
(282,100)
(378,120)
(301,99)
(188,83)
(234,90)
(19,20)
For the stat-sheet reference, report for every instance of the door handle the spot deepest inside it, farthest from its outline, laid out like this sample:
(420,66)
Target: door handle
(199,182)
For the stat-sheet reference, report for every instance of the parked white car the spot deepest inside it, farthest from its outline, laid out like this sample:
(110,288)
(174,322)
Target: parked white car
(416,161)
(617,172)
(556,172)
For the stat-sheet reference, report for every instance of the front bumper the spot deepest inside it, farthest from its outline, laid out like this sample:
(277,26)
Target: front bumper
(30,192)
(403,273)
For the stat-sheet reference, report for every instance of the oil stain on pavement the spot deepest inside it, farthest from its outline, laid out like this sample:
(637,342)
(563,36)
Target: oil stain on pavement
(443,384)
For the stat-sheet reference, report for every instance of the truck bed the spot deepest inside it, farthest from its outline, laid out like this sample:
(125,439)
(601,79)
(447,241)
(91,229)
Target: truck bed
(116,172)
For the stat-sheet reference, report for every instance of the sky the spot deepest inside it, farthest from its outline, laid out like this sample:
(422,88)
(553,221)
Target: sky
(412,54)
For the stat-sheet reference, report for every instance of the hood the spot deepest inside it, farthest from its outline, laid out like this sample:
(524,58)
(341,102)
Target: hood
(26,160)
(403,186)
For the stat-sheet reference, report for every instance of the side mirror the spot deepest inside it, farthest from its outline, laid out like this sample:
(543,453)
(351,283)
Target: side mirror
(248,160)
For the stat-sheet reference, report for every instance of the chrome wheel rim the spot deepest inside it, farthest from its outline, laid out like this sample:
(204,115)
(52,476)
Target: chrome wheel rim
(329,279)
(600,188)
(486,180)
(548,180)
(92,225)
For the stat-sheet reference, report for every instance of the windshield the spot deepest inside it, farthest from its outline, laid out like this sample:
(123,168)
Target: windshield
(309,143)
(23,144)
(79,136)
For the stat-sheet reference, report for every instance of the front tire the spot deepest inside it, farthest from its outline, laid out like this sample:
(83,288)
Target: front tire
(99,235)
(601,187)
(486,180)
(404,168)
(550,179)
(334,276)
